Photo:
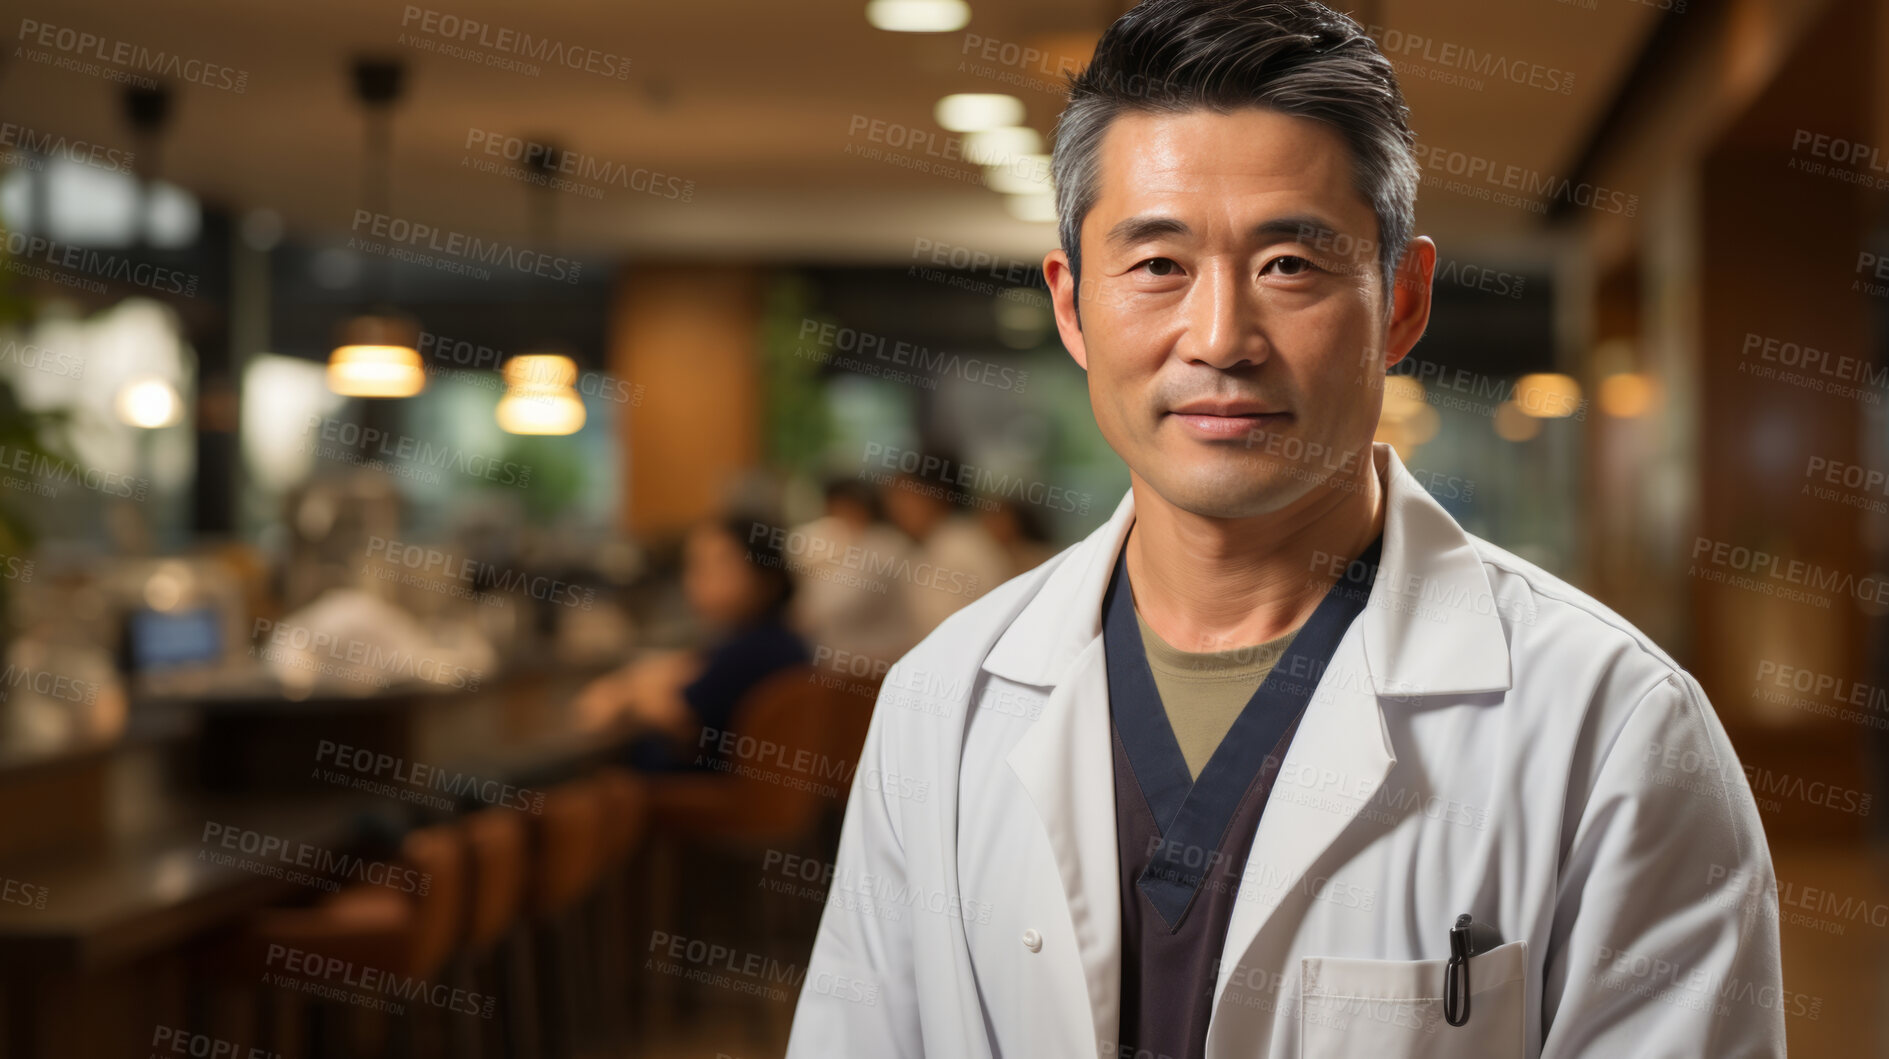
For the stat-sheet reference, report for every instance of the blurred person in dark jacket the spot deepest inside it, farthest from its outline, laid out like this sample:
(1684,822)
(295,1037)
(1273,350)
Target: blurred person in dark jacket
(737,584)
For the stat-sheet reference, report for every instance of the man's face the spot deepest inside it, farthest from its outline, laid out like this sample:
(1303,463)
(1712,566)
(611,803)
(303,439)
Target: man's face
(1232,319)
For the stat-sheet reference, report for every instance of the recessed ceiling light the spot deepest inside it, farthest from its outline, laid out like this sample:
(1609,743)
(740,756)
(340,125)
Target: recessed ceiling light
(977,111)
(1002,146)
(918,16)
(1023,174)
(1040,206)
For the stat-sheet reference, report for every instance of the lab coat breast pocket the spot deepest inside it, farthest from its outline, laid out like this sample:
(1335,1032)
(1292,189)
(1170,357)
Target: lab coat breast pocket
(1393,1009)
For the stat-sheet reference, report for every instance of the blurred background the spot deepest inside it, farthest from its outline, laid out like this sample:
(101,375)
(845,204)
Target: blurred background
(465,470)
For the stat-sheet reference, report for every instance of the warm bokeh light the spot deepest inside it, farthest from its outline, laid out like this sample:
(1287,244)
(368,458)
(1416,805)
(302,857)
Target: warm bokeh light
(547,411)
(1035,206)
(149,403)
(978,111)
(1514,424)
(996,147)
(376,371)
(1547,395)
(918,16)
(1023,174)
(538,397)
(1628,394)
(551,370)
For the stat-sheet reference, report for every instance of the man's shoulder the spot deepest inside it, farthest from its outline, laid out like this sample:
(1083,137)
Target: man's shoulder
(1553,618)
(951,643)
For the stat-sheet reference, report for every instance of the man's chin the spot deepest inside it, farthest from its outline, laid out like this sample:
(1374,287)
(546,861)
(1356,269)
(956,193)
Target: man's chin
(1245,496)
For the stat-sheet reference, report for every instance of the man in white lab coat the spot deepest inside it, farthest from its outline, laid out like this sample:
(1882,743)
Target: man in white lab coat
(1280,761)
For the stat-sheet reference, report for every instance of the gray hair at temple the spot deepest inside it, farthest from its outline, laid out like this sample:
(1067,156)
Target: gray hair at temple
(1295,57)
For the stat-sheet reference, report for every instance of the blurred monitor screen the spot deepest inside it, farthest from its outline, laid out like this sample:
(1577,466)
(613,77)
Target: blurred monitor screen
(163,640)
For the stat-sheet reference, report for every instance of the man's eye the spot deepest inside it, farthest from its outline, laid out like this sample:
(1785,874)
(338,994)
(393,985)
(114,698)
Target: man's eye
(1291,265)
(1159,266)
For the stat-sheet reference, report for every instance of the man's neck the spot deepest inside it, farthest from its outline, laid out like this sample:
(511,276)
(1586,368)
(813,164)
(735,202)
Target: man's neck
(1208,584)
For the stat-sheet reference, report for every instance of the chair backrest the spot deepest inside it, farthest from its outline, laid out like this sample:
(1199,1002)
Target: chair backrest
(569,852)
(626,812)
(438,854)
(781,755)
(497,843)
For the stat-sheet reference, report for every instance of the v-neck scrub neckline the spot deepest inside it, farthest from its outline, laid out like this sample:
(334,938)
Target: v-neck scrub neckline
(1192,814)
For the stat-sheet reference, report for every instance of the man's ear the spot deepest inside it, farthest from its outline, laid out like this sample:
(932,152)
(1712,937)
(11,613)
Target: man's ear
(1062,295)
(1410,299)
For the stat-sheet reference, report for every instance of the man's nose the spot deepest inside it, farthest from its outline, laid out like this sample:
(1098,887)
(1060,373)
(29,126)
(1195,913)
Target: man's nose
(1223,320)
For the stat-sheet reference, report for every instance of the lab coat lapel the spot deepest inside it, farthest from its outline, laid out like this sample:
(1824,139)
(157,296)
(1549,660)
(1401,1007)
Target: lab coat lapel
(1064,761)
(1343,748)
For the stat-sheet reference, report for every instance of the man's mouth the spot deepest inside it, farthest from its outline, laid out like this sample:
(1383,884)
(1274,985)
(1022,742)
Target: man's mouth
(1228,423)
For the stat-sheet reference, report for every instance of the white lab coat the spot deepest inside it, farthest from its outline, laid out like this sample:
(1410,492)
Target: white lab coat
(1486,739)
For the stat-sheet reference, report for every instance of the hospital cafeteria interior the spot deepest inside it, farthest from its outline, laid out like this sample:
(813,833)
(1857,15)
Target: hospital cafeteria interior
(469,475)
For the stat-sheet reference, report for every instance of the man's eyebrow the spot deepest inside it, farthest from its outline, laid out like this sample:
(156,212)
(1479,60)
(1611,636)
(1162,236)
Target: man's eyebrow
(1304,227)
(1137,229)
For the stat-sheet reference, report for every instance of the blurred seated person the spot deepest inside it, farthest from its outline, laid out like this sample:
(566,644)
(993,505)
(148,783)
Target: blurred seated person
(957,560)
(1019,530)
(737,583)
(846,597)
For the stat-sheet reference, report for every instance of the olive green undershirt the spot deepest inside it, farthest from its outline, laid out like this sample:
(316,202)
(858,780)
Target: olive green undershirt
(1204,691)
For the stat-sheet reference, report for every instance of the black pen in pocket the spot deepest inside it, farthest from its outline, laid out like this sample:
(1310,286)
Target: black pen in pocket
(1467,938)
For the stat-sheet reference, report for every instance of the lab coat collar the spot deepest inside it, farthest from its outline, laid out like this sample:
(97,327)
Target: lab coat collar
(1431,626)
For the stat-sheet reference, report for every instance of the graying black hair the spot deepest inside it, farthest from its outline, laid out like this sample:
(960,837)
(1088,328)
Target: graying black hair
(1296,57)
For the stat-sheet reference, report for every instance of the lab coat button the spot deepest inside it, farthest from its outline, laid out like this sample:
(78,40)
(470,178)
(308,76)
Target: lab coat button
(1032,940)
